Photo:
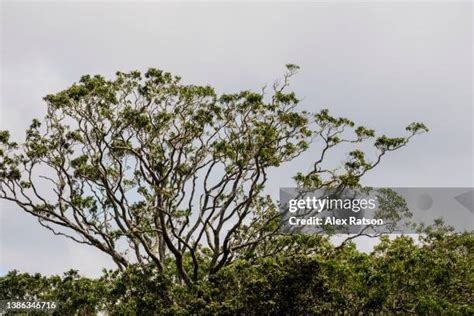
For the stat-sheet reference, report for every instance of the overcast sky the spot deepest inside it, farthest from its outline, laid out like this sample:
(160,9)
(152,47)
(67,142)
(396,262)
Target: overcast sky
(383,65)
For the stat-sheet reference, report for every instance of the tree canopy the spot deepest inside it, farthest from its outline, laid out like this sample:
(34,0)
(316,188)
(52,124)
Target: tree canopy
(149,169)
(400,276)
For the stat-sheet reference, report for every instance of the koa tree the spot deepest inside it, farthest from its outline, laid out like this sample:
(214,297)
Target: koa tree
(151,170)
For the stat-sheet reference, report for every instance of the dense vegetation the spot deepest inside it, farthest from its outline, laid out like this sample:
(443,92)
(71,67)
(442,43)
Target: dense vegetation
(434,275)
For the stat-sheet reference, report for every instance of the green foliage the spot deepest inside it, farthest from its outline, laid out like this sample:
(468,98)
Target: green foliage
(434,275)
(77,295)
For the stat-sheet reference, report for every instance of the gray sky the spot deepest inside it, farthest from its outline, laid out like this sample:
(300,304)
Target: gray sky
(383,65)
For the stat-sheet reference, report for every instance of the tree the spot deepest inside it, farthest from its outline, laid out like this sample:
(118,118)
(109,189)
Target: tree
(146,168)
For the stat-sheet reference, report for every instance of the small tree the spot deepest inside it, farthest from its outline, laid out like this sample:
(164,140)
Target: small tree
(146,168)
